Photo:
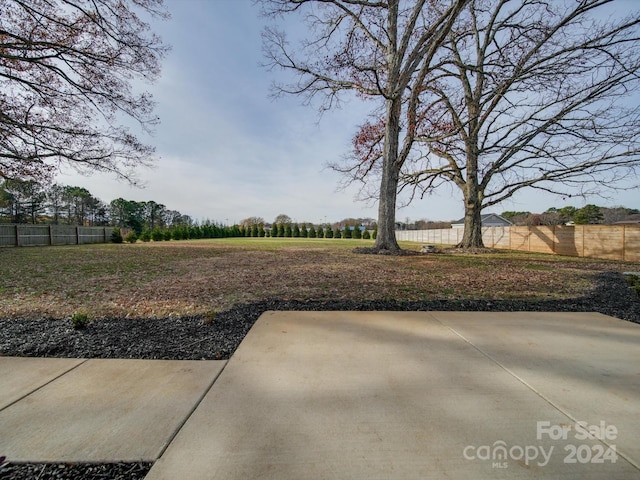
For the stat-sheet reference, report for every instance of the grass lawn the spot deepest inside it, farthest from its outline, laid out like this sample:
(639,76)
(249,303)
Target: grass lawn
(202,276)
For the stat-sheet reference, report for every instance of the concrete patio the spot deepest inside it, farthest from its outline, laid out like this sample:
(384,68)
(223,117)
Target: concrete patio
(350,395)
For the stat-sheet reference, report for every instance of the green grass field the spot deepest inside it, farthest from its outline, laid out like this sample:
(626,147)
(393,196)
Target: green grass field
(201,276)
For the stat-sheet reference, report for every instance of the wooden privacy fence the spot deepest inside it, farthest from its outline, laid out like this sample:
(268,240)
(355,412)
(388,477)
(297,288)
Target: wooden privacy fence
(41,235)
(612,242)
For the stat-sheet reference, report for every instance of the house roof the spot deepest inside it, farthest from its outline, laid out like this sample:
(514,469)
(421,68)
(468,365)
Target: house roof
(489,220)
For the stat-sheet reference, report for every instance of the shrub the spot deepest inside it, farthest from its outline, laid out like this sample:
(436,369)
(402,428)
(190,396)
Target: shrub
(157,235)
(337,234)
(146,235)
(288,232)
(320,233)
(312,232)
(357,233)
(634,282)
(296,231)
(347,233)
(304,233)
(167,235)
(375,232)
(79,320)
(116,236)
(328,233)
(131,237)
(366,235)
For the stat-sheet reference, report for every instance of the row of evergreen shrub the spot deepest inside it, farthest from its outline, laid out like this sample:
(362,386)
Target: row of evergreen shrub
(185,232)
(295,231)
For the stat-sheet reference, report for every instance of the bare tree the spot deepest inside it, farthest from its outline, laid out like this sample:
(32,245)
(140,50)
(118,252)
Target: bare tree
(379,49)
(282,218)
(66,74)
(530,94)
(251,221)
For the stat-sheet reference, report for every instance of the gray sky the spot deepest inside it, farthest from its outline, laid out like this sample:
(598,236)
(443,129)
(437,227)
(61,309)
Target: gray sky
(228,151)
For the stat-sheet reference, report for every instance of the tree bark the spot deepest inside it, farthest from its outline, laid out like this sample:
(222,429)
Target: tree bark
(386,238)
(472,237)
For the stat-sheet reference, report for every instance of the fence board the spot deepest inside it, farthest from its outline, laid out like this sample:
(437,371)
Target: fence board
(615,242)
(42,235)
(542,239)
(92,235)
(569,241)
(7,235)
(604,241)
(64,235)
(632,244)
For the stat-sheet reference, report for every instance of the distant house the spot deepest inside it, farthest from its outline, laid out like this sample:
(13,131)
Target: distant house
(488,220)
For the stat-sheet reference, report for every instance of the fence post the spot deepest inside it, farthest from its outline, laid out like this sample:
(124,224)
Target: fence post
(17,236)
(51,235)
(77,235)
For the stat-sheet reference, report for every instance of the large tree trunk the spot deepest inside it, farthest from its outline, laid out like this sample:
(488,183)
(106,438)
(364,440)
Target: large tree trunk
(386,238)
(472,237)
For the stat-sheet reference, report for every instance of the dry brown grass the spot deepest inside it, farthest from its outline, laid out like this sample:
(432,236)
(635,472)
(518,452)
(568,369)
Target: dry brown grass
(196,277)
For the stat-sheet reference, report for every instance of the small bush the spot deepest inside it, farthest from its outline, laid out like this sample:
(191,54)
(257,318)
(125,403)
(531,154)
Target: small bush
(337,234)
(131,237)
(79,320)
(157,235)
(634,282)
(347,233)
(320,232)
(209,317)
(167,235)
(366,235)
(304,233)
(145,236)
(357,233)
(312,232)
(328,233)
(116,236)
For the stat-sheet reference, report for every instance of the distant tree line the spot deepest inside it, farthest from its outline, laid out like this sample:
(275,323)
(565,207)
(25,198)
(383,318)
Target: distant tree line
(27,201)
(587,215)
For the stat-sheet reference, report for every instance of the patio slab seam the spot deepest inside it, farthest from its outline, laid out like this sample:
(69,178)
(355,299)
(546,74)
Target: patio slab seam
(40,387)
(534,390)
(190,413)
